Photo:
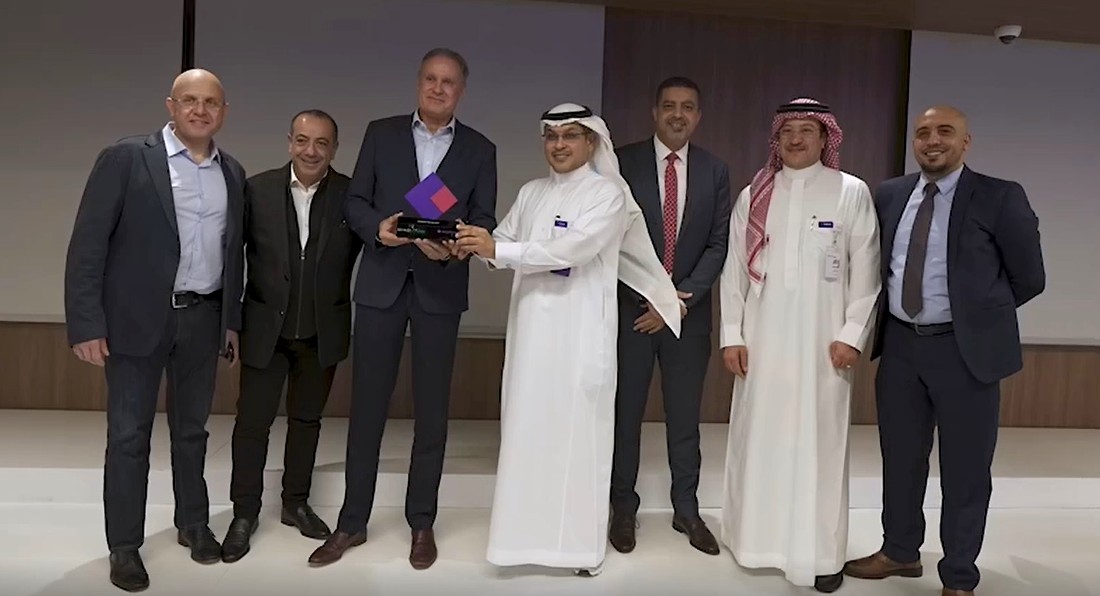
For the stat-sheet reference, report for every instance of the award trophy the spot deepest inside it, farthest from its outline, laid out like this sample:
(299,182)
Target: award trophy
(430,199)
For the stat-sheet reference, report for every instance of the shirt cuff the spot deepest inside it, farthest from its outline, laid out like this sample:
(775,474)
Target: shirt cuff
(731,336)
(852,335)
(508,254)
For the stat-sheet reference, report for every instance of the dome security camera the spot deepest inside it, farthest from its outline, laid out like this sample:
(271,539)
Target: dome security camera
(1008,33)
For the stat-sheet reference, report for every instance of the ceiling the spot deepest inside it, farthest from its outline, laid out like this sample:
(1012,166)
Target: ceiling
(1060,20)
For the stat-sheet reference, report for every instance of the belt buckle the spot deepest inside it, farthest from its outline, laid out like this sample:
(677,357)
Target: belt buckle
(175,300)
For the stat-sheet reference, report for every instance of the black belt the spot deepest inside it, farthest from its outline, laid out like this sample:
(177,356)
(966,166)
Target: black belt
(926,330)
(188,299)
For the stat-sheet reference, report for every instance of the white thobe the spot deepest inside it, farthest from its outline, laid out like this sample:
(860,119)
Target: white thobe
(550,505)
(785,500)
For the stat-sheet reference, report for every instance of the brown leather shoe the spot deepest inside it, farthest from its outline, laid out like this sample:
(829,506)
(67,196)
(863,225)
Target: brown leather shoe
(621,531)
(334,547)
(879,566)
(423,551)
(950,592)
(698,533)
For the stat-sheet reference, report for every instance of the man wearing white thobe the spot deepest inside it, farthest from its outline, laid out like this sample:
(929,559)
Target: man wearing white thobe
(569,238)
(798,291)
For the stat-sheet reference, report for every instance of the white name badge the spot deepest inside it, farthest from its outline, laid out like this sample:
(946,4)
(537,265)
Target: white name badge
(832,263)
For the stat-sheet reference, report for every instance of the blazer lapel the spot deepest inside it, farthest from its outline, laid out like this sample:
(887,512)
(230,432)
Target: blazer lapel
(330,216)
(649,197)
(959,205)
(156,162)
(453,160)
(405,153)
(281,217)
(692,201)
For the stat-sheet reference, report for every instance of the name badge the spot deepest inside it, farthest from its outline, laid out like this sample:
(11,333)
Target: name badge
(832,263)
(825,224)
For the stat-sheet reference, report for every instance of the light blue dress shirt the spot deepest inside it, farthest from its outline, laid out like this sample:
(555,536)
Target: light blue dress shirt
(431,148)
(937,304)
(201,200)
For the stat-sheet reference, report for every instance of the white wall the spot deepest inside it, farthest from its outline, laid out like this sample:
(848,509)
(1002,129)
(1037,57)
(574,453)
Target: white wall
(1033,116)
(76,78)
(86,78)
(357,60)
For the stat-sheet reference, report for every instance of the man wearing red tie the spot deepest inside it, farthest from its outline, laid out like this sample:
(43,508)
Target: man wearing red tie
(684,193)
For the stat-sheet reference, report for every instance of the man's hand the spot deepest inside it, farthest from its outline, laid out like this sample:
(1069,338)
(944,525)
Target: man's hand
(683,306)
(433,250)
(737,360)
(92,351)
(650,322)
(387,231)
(842,355)
(474,240)
(233,350)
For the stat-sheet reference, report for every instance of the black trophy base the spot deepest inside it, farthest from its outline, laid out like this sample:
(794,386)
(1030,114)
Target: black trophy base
(416,228)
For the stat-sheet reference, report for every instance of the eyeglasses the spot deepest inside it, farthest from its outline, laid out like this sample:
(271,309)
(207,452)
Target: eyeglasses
(569,137)
(190,103)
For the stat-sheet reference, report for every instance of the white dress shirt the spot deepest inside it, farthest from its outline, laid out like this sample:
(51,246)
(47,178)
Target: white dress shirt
(681,167)
(303,199)
(431,148)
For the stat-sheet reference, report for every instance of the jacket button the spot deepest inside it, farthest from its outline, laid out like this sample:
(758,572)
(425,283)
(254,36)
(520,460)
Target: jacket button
(282,314)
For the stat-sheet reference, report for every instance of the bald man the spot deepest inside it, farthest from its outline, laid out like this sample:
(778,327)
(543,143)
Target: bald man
(960,253)
(152,285)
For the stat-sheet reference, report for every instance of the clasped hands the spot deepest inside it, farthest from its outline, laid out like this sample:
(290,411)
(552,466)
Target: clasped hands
(470,240)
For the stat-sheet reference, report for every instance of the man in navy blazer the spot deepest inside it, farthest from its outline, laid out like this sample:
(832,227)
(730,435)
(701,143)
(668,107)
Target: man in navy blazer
(684,192)
(153,283)
(405,284)
(960,253)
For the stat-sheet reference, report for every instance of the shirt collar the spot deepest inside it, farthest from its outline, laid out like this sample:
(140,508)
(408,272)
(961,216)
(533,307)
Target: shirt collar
(663,151)
(174,146)
(418,123)
(945,185)
(294,182)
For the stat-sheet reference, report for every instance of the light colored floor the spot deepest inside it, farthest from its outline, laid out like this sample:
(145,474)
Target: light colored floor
(55,550)
(1043,537)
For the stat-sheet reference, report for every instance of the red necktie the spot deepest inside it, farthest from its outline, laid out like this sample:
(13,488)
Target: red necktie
(669,213)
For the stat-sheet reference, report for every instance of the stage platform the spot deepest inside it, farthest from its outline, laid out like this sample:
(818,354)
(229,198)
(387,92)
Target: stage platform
(1043,537)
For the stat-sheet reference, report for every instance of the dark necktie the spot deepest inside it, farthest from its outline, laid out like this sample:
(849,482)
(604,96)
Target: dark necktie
(912,290)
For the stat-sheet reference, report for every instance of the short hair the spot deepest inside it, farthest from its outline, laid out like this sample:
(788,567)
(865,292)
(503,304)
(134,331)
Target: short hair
(317,114)
(671,82)
(448,53)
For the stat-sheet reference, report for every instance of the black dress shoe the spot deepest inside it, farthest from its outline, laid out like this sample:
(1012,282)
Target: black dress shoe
(236,544)
(307,522)
(698,533)
(128,572)
(204,547)
(829,583)
(621,531)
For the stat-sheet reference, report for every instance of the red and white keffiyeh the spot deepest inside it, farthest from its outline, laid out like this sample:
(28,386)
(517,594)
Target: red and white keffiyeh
(760,191)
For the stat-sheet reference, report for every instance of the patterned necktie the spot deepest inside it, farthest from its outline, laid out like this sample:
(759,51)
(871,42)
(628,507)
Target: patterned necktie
(912,292)
(669,213)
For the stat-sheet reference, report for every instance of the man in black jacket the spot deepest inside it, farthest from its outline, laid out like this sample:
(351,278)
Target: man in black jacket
(297,321)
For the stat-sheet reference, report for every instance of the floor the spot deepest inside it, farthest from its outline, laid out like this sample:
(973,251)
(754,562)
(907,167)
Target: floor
(1043,536)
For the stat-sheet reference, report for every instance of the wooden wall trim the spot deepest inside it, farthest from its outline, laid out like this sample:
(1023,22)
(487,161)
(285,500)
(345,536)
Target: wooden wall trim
(1058,387)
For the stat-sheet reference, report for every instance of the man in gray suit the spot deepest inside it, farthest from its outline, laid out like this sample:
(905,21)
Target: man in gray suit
(152,284)
(684,193)
(405,284)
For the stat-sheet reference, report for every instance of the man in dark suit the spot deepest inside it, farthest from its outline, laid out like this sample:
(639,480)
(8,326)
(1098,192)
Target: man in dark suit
(153,283)
(960,254)
(297,321)
(400,284)
(684,193)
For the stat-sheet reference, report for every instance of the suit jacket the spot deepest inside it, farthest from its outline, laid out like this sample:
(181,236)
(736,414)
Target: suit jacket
(385,170)
(994,265)
(267,253)
(124,251)
(704,230)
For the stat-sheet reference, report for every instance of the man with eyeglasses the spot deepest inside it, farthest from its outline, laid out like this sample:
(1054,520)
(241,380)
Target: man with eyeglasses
(569,238)
(798,292)
(152,285)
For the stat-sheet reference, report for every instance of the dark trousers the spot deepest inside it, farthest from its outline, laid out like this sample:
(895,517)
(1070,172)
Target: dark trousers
(683,370)
(379,339)
(188,350)
(295,364)
(923,384)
